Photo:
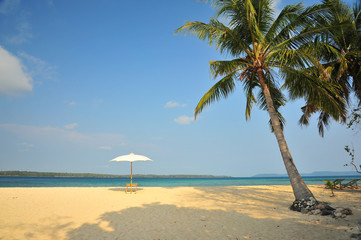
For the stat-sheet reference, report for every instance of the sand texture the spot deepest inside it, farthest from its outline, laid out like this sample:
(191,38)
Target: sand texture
(186,213)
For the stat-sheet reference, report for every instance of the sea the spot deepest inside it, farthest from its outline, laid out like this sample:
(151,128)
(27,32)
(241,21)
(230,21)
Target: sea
(6,181)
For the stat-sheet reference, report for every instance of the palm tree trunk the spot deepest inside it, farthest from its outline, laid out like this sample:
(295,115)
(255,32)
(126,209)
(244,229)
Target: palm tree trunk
(300,189)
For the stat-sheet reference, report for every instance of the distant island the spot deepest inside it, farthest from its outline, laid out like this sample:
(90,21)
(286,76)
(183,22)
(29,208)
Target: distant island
(80,175)
(54,174)
(313,174)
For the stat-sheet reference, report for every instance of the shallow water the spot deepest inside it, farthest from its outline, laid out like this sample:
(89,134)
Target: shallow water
(151,182)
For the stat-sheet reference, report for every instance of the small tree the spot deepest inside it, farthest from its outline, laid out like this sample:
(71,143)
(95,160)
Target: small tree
(351,152)
(354,124)
(331,186)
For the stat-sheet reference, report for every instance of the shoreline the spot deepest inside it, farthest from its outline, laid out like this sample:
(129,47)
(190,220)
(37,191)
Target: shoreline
(152,182)
(231,212)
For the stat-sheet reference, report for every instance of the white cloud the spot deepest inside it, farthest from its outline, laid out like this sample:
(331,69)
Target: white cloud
(184,120)
(7,6)
(71,126)
(173,104)
(13,79)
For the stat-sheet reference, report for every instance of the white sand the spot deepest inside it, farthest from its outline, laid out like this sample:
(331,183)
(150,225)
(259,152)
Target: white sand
(252,212)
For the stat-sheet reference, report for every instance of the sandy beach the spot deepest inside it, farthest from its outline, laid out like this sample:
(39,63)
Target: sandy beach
(244,212)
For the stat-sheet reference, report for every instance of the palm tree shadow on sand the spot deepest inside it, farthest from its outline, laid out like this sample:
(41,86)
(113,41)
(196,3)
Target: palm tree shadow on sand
(157,221)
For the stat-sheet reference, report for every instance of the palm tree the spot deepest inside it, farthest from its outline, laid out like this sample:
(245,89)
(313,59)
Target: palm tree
(337,52)
(260,45)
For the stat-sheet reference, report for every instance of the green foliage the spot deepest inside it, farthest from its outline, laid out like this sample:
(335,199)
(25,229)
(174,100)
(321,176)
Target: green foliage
(331,186)
(249,33)
(336,58)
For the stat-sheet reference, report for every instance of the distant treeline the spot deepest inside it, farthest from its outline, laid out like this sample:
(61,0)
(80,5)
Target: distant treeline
(53,174)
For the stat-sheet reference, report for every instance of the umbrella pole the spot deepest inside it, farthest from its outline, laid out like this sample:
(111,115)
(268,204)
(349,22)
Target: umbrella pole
(131,177)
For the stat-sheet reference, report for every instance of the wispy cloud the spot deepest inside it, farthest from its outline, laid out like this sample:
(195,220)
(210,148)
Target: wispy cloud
(53,135)
(184,120)
(23,34)
(13,78)
(98,102)
(22,30)
(25,146)
(105,148)
(7,6)
(37,67)
(157,138)
(173,104)
(71,126)
(50,3)
(70,103)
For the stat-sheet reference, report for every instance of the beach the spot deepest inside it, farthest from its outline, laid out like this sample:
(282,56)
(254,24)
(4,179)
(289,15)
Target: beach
(230,212)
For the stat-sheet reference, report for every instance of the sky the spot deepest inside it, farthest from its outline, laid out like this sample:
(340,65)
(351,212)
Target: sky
(85,81)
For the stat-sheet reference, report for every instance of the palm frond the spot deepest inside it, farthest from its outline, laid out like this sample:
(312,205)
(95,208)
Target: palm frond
(217,34)
(299,31)
(221,68)
(323,122)
(307,110)
(249,84)
(284,18)
(323,96)
(221,89)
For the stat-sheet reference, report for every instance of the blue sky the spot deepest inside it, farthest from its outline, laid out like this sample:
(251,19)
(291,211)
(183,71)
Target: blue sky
(83,82)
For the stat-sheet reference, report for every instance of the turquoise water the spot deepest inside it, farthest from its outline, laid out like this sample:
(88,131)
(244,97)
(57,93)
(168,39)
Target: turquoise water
(150,182)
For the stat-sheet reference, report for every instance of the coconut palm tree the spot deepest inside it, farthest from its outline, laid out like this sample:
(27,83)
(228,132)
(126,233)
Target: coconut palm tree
(259,45)
(337,52)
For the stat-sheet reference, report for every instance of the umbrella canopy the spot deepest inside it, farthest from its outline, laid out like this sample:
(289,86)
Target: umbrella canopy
(131,158)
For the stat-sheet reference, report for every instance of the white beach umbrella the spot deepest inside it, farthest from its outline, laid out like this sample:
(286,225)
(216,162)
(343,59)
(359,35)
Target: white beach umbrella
(131,158)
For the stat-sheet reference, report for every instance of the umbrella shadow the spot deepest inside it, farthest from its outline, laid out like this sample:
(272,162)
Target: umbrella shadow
(123,189)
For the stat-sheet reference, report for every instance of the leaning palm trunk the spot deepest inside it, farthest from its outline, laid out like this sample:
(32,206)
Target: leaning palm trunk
(300,189)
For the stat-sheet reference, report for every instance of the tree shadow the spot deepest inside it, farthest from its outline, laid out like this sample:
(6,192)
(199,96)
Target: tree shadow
(349,190)
(161,221)
(51,228)
(260,202)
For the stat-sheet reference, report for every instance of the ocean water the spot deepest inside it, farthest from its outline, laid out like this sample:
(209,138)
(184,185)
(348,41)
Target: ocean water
(152,182)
